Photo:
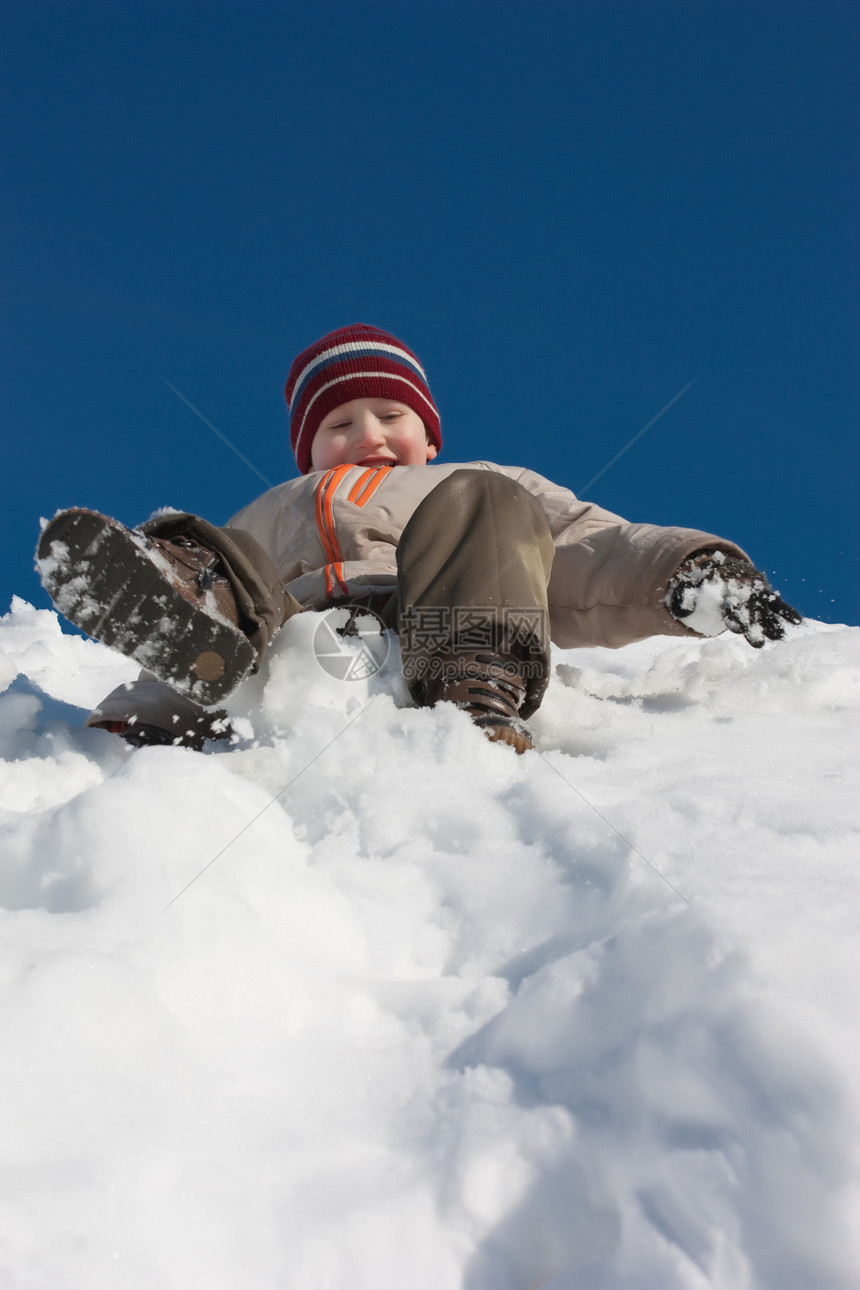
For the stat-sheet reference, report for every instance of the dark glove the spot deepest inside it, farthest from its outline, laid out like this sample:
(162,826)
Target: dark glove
(735,592)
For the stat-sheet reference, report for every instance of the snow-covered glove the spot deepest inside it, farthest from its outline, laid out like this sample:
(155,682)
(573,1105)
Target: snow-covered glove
(712,591)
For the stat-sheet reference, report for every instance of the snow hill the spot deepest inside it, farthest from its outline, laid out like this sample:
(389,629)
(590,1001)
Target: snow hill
(367,1003)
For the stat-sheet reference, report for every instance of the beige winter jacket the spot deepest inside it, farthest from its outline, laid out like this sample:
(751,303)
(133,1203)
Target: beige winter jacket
(335,534)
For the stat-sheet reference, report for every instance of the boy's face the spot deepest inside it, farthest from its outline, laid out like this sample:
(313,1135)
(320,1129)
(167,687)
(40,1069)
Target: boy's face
(371,432)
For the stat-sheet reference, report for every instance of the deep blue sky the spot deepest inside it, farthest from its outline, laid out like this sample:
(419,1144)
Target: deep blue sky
(567,209)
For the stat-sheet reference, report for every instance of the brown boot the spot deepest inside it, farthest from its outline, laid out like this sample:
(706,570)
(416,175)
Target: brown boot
(165,604)
(490,687)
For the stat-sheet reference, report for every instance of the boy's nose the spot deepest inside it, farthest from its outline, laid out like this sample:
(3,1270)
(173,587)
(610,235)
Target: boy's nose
(371,428)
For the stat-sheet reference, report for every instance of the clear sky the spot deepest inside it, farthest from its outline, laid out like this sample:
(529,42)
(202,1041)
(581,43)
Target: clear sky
(568,210)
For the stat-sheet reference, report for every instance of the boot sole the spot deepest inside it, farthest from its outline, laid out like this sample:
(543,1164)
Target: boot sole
(98,574)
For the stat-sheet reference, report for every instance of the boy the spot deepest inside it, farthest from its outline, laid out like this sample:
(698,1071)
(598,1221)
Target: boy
(475,566)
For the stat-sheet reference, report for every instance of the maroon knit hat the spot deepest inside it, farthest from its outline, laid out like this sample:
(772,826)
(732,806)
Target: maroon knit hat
(357,362)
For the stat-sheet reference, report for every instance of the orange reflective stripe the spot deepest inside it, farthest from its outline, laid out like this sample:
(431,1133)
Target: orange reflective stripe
(326,490)
(328,516)
(318,509)
(364,495)
(337,571)
(360,482)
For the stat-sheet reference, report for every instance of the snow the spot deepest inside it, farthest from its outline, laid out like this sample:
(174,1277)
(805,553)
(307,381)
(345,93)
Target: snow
(369,1002)
(706,616)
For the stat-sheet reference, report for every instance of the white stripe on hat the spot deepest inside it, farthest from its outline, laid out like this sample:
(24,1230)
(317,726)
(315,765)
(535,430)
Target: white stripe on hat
(339,350)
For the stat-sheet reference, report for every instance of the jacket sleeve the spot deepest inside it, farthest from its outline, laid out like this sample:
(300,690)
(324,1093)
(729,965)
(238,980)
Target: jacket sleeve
(609,577)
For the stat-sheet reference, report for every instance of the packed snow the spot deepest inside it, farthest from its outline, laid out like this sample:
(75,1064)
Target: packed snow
(366,1002)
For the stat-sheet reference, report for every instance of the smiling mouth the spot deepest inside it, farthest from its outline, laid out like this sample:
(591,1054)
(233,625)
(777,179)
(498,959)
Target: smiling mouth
(377,461)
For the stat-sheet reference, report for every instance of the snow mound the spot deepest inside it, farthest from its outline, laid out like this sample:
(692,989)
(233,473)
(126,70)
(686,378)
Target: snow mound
(369,1003)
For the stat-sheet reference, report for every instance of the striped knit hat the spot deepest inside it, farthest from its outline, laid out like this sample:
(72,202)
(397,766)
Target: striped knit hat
(357,362)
